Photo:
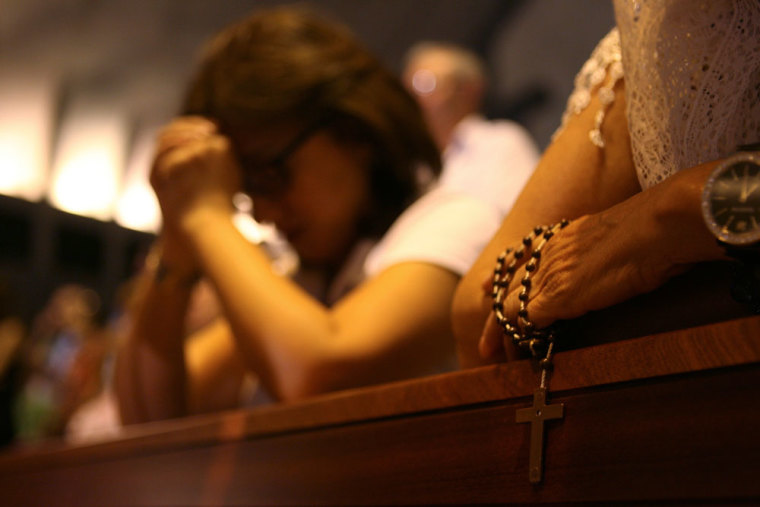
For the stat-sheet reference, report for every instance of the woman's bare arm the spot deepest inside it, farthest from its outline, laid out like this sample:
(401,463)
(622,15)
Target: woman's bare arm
(393,326)
(624,242)
(573,178)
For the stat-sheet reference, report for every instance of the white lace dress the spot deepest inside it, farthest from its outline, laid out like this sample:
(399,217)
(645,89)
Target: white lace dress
(692,72)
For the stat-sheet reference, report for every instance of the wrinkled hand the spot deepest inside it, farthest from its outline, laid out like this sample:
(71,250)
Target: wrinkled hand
(596,261)
(194,170)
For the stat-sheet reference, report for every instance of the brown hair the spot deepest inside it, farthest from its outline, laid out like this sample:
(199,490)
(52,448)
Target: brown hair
(288,65)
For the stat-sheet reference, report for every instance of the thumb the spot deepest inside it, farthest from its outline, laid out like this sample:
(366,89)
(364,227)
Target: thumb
(491,344)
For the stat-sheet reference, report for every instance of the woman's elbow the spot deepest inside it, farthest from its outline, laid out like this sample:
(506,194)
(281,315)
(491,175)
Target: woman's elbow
(322,376)
(302,382)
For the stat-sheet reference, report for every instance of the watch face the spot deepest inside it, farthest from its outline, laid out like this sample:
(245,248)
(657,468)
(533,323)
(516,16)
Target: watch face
(731,200)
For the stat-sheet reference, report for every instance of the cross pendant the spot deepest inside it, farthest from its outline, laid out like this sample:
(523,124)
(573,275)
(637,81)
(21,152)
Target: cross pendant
(536,415)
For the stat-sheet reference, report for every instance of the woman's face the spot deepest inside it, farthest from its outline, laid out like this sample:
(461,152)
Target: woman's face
(320,193)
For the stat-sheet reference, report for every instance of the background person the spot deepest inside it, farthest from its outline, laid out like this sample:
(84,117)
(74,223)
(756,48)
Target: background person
(490,158)
(62,357)
(292,109)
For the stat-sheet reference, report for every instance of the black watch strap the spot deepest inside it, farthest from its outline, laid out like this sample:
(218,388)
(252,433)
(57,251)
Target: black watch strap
(749,254)
(749,147)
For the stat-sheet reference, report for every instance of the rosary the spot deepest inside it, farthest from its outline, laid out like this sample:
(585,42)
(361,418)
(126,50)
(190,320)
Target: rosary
(540,342)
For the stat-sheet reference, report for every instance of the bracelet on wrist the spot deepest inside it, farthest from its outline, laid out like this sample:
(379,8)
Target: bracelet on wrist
(164,274)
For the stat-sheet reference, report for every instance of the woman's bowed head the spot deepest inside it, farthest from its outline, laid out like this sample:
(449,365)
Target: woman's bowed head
(322,135)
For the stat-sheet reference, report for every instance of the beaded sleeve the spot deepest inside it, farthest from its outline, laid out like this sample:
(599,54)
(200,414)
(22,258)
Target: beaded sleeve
(604,60)
(692,71)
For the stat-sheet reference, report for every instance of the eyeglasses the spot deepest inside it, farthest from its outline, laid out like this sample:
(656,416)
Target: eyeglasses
(273,177)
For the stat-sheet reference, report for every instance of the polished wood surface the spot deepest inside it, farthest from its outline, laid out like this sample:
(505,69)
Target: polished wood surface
(670,417)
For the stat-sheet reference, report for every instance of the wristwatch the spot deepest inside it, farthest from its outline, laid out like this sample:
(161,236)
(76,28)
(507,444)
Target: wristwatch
(731,210)
(731,201)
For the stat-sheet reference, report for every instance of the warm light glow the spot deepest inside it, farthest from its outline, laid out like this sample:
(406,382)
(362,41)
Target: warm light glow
(248,227)
(137,207)
(25,123)
(88,167)
(424,82)
(245,223)
(138,210)
(284,258)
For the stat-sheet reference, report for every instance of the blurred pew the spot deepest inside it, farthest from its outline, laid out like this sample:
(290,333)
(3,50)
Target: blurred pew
(668,418)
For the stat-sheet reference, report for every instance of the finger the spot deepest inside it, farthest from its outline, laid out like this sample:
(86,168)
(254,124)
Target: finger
(227,162)
(538,313)
(206,165)
(175,162)
(491,344)
(511,303)
(487,285)
(513,299)
(182,131)
(177,139)
(197,124)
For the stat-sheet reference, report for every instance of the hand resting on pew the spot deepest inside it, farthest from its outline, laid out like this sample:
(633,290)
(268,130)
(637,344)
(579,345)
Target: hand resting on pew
(627,169)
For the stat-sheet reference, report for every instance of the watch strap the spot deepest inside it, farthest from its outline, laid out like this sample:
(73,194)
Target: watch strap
(748,147)
(749,254)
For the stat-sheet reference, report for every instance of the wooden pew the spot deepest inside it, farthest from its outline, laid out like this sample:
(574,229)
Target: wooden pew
(671,418)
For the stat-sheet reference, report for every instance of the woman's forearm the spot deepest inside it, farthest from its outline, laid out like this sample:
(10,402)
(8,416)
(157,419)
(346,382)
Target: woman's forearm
(282,332)
(605,258)
(572,179)
(150,377)
(393,326)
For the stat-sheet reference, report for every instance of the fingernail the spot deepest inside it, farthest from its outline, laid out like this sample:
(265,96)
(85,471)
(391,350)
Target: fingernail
(485,349)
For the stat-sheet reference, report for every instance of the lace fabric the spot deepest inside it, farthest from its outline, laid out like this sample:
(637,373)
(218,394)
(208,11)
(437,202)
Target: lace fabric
(692,71)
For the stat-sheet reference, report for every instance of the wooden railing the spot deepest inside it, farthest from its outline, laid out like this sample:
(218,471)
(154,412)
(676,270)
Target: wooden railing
(668,418)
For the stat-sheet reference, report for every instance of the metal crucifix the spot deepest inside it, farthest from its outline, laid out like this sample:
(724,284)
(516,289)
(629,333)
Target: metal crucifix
(536,415)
